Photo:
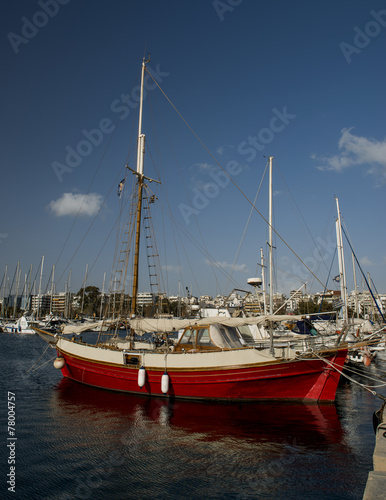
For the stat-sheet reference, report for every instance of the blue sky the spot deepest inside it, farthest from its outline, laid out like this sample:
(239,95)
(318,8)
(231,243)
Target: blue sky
(301,81)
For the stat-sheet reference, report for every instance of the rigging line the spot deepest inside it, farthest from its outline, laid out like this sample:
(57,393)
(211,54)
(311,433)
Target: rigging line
(184,250)
(368,286)
(195,243)
(185,188)
(232,180)
(154,241)
(328,277)
(300,214)
(163,221)
(173,228)
(287,273)
(198,246)
(106,240)
(118,238)
(247,224)
(345,230)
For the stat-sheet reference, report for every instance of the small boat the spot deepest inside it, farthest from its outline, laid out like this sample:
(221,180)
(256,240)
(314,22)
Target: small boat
(22,325)
(210,360)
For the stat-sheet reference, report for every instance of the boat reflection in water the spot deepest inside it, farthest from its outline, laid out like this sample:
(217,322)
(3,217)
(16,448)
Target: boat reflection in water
(167,448)
(311,424)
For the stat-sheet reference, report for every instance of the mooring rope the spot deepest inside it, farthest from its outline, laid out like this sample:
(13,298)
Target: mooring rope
(45,350)
(335,367)
(37,368)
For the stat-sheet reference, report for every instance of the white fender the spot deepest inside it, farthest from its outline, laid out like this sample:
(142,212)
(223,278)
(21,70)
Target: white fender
(59,363)
(141,376)
(165,383)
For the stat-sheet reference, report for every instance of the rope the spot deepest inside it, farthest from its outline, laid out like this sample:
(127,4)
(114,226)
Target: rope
(43,364)
(39,358)
(334,366)
(358,372)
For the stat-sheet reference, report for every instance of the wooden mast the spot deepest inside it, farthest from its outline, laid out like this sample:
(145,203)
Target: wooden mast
(139,173)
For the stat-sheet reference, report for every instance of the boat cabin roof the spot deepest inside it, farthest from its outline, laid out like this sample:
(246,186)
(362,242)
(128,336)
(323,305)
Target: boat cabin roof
(210,338)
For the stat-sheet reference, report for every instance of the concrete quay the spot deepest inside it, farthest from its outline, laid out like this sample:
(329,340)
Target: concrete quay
(376,481)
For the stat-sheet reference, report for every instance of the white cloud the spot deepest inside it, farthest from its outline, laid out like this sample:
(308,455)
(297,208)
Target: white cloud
(365,261)
(170,268)
(203,167)
(76,204)
(357,150)
(242,268)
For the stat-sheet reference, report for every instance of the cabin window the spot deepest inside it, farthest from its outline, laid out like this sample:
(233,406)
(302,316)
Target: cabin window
(203,338)
(188,337)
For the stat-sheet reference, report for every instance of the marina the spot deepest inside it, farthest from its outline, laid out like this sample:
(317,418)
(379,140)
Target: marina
(192,252)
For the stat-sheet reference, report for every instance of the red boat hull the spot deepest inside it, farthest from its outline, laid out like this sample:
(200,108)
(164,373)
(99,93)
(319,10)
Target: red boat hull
(307,379)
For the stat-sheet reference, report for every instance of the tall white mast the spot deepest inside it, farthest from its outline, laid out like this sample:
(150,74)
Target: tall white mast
(40,299)
(102,295)
(270,243)
(141,137)
(355,286)
(18,272)
(263,280)
(342,270)
(68,296)
(52,287)
(84,287)
(3,294)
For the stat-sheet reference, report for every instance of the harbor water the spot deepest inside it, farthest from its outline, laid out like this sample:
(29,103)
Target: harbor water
(76,442)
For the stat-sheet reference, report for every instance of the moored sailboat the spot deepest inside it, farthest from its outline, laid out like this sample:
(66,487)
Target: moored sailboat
(210,360)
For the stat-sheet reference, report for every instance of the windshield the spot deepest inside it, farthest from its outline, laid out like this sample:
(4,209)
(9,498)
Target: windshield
(225,336)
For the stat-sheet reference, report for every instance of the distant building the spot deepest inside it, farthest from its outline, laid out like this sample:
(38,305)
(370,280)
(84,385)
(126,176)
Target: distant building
(145,299)
(41,304)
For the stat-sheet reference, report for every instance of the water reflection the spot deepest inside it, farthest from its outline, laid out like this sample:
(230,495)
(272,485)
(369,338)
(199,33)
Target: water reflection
(310,425)
(214,450)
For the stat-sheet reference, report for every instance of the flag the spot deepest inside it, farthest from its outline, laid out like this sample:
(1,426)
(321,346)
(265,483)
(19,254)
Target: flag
(120,188)
(336,304)
(336,278)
